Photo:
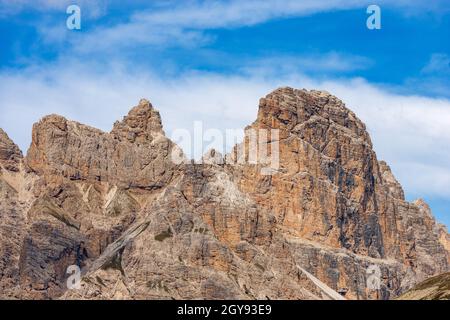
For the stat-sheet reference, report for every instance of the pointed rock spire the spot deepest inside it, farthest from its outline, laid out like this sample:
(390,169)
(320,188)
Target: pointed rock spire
(142,124)
(10,154)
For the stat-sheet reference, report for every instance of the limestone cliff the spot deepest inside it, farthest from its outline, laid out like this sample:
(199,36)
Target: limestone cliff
(143,227)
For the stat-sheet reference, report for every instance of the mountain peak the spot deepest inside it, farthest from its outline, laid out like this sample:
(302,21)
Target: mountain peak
(292,106)
(142,124)
(311,114)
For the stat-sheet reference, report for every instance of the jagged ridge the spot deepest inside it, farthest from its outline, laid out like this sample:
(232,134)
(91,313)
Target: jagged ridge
(142,227)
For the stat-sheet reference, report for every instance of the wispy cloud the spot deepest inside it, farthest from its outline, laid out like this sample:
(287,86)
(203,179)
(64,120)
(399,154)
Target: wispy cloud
(214,14)
(433,77)
(186,22)
(439,64)
(329,62)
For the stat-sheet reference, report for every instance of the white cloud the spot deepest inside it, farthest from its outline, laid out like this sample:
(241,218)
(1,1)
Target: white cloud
(424,180)
(220,14)
(439,64)
(289,64)
(411,132)
(186,23)
(214,14)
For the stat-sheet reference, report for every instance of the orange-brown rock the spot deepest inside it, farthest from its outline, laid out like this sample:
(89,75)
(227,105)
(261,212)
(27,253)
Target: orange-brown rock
(142,227)
(10,154)
(135,154)
(331,189)
(14,200)
(444,238)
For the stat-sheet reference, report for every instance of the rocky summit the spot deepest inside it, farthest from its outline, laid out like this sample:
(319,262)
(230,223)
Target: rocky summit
(140,226)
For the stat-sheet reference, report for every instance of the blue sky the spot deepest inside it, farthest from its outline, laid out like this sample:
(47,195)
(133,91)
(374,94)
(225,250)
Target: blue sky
(213,60)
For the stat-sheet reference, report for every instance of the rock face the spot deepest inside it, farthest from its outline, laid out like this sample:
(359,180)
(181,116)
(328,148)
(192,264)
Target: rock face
(135,153)
(434,288)
(141,226)
(10,154)
(331,189)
